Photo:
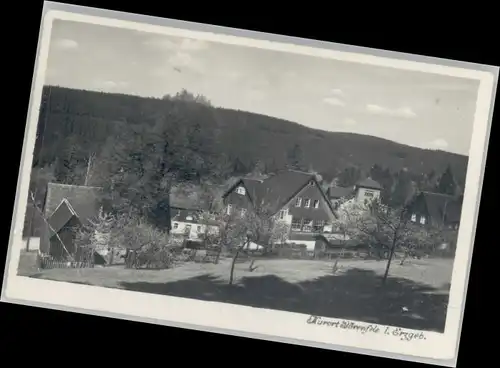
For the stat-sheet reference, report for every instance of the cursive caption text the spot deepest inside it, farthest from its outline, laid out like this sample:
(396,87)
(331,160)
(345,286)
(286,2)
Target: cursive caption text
(365,328)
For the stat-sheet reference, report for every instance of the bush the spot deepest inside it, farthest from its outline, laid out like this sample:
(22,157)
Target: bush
(147,246)
(135,233)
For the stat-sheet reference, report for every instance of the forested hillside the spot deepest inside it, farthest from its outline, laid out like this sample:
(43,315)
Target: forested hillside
(246,139)
(125,142)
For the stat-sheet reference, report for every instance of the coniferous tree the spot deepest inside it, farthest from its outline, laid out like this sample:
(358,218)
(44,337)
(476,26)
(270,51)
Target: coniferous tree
(403,189)
(349,176)
(294,157)
(447,183)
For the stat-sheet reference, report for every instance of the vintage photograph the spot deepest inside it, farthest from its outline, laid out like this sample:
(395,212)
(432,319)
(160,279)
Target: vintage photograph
(227,173)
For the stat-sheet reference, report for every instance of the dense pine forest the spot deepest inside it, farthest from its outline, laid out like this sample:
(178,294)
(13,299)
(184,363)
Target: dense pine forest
(144,146)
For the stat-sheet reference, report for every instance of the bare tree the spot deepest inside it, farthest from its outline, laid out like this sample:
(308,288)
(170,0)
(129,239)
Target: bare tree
(420,239)
(346,225)
(280,231)
(387,229)
(96,234)
(88,173)
(258,225)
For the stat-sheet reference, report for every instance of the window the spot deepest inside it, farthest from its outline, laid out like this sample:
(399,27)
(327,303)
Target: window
(187,229)
(368,194)
(307,203)
(307,225)
(296,224)
(241,190)
(228,209)
(176,225)
(283,214)
(316,203)
(298,202)
(414,217)
(198,229)
(319,225)
(243,212)
(422,220)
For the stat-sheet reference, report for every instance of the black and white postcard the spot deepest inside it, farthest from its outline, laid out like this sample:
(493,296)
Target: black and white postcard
(250,184)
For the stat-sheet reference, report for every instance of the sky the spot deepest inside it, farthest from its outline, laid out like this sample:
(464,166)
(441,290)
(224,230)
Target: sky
(413,108)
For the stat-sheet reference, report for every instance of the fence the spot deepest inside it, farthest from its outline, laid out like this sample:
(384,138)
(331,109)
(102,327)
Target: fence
(45,262)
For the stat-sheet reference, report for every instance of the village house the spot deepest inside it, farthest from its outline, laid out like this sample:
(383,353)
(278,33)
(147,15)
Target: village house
(190,217)
(294,198)
(363,191)
(436,209)
(191,224)
(67,208)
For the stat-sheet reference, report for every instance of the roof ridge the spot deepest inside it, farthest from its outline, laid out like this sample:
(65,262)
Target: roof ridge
(300,171)
(72,185)
(254,179)
(437,193)
(65,200)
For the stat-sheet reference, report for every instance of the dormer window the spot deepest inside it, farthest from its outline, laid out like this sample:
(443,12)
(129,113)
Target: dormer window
(241,190)
(298,202)
(414,217)
(307,203)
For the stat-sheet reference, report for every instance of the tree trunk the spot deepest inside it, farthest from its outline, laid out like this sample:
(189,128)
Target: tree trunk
(111,256)
(404,258)
(391,255)
(335,265)
(217,256)
(233,263)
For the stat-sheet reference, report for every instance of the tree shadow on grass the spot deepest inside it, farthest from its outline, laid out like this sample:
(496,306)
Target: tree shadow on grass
(356,294)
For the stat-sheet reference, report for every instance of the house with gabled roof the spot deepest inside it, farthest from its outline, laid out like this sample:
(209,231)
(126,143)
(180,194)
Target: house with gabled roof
(436,209)
(190,216)
(66,208)
(293,197)
(364,190)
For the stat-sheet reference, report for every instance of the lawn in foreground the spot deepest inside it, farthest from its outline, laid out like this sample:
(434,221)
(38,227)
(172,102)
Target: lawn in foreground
(415,295)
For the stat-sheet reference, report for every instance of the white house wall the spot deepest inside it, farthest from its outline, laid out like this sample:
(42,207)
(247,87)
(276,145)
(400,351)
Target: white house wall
(310,244)
(361,194)
(195,229)
(34,243)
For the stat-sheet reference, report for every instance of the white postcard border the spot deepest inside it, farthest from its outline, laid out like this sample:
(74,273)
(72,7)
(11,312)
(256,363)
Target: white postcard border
(263,323)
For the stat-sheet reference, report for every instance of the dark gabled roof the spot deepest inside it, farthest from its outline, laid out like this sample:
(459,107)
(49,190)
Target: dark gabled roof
(277,190)
(339,192)
(71,201)
(443,206)
(190,216)
(84,200)
(192,199)
(369,183)
(186,201)
(61,216)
